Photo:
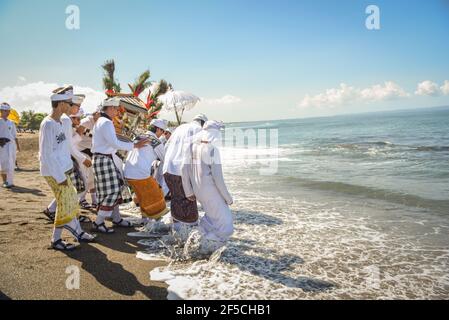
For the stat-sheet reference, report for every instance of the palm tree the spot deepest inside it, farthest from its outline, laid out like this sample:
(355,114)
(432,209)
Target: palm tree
(109,83)
(141,83)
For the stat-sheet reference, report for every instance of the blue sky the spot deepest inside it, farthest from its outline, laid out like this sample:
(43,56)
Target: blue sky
(267,55)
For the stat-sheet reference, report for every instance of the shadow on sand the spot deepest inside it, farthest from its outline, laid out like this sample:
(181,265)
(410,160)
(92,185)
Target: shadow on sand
(111,274)
(4,296)
(35,192)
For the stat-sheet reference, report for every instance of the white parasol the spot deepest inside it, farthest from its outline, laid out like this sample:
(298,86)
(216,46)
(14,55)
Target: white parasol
(179,101)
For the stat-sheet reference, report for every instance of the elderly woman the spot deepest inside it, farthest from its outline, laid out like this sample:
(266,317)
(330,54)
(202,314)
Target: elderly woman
(202,178)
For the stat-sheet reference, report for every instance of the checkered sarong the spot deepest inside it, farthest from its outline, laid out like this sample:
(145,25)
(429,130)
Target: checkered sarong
(77,178)
(109,184)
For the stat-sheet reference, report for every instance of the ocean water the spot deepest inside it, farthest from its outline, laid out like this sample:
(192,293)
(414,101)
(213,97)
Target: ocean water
(346,207)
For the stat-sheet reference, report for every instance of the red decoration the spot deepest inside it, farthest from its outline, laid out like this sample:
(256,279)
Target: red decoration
(150,101)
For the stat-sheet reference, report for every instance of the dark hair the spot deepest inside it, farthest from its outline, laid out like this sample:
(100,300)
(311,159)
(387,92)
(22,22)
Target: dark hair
(152,129)
(55,104)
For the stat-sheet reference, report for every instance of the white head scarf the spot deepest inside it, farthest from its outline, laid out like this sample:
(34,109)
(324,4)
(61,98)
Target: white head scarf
(63,94)
(111,102)
(211,132)
(78,99)
(159,123)
(201,117)
(5,107)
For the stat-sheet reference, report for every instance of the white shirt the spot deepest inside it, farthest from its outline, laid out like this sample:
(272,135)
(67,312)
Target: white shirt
(139,161)
(176,147)
(54,155)
(73,139)
(86,138)
(8,129)
(105,140)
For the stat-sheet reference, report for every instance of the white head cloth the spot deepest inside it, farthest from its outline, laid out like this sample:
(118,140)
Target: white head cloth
(211,131)
(68,95)
(5,107)
(201,117)
(78,99)
(111,102)
(159,123)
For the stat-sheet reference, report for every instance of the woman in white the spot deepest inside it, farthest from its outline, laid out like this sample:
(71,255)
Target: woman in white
(202,179)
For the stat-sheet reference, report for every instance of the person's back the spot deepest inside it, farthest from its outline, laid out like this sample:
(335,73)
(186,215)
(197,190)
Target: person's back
(203,178)
(139,162)
(175,148)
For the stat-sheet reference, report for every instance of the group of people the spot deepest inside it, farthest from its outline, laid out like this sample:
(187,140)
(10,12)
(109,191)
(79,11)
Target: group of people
(80,156)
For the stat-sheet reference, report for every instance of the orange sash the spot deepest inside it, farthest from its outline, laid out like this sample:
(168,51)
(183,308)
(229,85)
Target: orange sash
(150,197)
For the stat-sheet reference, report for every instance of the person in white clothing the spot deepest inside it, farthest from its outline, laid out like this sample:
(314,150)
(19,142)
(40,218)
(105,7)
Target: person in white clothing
(109,181)
(184,211)
(202,179)
(84,145)
(55,166)
(9,145)
(159,127)
(80,161)
(138,170)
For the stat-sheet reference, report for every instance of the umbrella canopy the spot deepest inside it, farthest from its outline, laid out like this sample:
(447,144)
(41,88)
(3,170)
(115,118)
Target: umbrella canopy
(178,101)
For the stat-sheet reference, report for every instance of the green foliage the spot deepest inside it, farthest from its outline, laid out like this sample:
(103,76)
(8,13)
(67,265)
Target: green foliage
(31,120)
(141,83)
(109,82)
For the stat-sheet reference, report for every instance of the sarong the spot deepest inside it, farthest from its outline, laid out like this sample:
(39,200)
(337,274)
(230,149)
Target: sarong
(150,196)
(77,178)
(6,158)
(110,187)
(66,200)
(182,209)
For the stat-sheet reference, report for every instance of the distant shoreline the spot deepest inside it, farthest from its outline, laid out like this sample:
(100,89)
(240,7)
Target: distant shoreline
(347,114)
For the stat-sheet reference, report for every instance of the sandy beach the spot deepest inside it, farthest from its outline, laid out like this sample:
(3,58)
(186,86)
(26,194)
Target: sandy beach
(30,270)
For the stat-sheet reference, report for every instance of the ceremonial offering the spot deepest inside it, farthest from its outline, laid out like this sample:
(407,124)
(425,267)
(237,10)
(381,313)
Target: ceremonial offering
(131,119)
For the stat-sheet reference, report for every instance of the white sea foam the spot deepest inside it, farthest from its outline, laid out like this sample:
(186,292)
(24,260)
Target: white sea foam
(286,248)
(309,251)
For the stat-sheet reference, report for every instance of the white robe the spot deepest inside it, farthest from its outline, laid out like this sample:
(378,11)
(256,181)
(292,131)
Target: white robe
(176,146)
(139,162)
(204,179)
(8,151)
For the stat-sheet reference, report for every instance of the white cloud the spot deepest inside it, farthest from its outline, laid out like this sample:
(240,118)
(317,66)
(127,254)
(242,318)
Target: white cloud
(428,88)
(227,99)
(388,91)
(36,96)
(445,88)
(345,95)
(22,78)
